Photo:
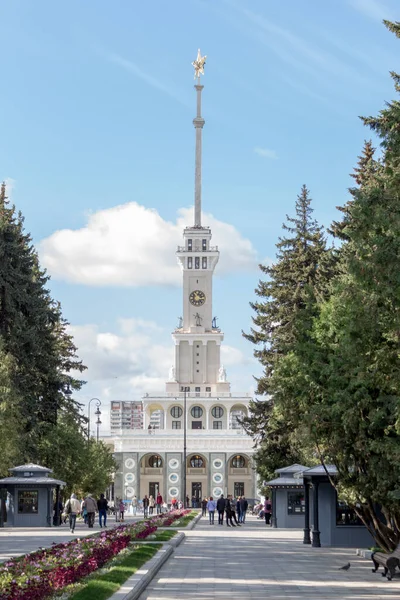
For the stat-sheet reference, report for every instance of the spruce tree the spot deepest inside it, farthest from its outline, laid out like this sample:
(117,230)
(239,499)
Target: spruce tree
(346,379)
(33,333)
(294,281)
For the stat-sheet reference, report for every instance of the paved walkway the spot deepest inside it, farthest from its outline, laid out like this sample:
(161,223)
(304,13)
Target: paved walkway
(254,561)
(16,541)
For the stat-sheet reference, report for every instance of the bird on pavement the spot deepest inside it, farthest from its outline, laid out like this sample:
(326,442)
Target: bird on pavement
(345,567)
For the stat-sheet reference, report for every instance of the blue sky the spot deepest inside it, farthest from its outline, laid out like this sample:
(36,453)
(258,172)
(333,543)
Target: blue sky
(97,144)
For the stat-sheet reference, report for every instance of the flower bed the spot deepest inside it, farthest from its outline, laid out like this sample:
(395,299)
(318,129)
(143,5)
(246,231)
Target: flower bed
(166,519)
(39,574)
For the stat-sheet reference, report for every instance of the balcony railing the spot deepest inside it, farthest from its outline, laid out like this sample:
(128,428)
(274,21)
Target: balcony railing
(199,395)
(197,250)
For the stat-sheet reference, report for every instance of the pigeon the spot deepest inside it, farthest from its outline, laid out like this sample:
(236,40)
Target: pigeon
(345,567)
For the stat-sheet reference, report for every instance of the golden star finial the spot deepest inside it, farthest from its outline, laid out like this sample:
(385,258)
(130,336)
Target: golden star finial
(198,64)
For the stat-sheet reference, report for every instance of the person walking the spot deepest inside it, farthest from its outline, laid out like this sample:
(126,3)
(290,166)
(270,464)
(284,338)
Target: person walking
(122,510)
(102,507)
(221,503)
(211,506)
(243,509)
(91,506)
(187,501)
(238,509)
(145,502)
(159,502)
(134,505)
(267,510)
(228,512)
(72,509)
(174,503)
(152,504)
(204,507)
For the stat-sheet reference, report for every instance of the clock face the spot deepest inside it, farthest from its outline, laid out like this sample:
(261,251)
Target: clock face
(197,298)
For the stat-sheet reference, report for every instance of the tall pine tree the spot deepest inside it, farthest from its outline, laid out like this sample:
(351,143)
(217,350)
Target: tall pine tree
(346,379)
(298,276)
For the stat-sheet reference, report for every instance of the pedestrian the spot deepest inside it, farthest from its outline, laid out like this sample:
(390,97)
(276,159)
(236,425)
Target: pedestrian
(91,506)
(122,510)
(159,502)
(187,500)
(221,503)
(152,504)
(180,504)
(243,508)
(174,503)
(134,505)
(211,505)
(72,509)
(102,507)
(58,508)
(145,503)
(267,510)
(194,502)
(238,509)
(204,507)
(230,513)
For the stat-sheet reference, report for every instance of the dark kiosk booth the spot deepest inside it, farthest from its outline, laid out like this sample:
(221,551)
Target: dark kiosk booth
(26,498)
(288,505)
(333,522)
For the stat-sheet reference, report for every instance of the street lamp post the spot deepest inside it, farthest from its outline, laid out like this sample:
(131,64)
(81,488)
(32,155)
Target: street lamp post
(97,413)
(185,389)
(98,422)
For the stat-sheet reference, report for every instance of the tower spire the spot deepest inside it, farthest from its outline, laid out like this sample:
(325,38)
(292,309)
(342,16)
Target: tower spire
(198,123)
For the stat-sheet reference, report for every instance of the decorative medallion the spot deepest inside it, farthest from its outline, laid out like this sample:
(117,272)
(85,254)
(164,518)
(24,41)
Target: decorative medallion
(130,463)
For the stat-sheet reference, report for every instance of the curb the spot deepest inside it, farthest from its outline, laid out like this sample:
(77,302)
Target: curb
(176,540)
(194,522)
(133,587)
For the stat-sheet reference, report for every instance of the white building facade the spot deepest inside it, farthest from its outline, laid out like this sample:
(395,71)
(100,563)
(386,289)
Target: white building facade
(197,403)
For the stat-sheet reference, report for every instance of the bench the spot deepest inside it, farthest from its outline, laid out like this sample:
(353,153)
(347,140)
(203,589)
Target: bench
(388,561)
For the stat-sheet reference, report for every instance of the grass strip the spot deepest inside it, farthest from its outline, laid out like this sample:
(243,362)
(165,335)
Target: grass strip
(164,536)
(105,585)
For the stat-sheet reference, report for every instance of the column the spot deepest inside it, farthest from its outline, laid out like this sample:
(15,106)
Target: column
(306,537)
(207,417)
(316,542)
(205,362)
(177,367)
(274,520)
(191,360)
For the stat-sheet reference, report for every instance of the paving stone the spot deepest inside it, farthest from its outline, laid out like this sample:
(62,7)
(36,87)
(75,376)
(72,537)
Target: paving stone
(255,561)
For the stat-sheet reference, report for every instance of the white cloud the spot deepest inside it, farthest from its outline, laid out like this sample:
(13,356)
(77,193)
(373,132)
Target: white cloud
(132,246)
(266,152)
(149,79)
(127,363)
(10,185)
(372,8)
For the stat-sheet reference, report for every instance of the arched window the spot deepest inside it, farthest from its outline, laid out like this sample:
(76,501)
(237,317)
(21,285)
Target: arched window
(217,412)
(238,462)
(196,462)
(236,416)
(196,412)
(155,461)
(176,412)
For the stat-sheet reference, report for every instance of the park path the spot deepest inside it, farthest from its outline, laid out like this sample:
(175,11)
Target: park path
(253,561)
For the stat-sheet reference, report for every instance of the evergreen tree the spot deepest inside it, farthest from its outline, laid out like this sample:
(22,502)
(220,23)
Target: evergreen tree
(346,377)
(365,174)
(298,276)
(33,332)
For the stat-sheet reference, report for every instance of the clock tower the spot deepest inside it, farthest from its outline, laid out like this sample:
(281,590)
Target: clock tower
(197,337)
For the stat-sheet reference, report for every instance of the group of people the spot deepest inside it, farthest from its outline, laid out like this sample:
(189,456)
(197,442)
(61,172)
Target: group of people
(234,510)
(87,508)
